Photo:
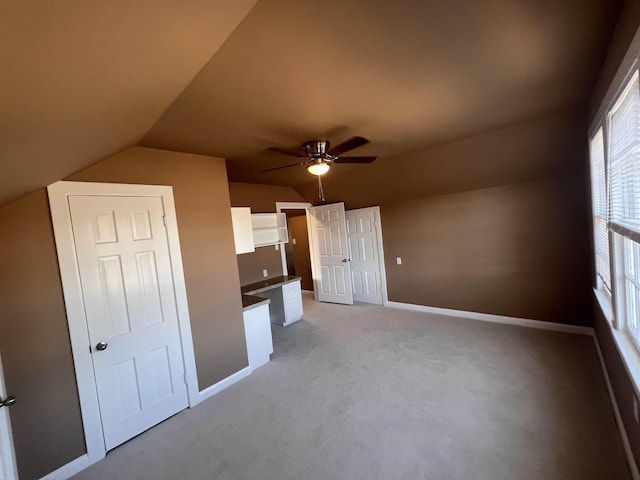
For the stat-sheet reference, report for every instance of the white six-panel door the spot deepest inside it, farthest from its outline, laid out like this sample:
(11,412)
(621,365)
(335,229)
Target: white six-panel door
(128,293)
(365,255)
(332,282)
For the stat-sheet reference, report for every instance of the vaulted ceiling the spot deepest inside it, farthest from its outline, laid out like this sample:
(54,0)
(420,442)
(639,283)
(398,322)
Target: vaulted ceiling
(83,80)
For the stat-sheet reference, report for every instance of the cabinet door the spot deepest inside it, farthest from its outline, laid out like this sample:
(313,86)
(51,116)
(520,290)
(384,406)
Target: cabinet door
(257,329)
(242,229)
(292,297)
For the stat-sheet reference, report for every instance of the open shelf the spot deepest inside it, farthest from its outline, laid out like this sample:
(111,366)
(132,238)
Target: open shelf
(269,229)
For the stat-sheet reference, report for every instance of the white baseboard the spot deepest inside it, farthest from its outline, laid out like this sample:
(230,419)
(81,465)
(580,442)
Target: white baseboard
(487,317)
(633,467)
(224,383)
(69,470)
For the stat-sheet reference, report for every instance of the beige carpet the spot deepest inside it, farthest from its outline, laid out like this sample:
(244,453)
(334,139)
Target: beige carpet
(366,392)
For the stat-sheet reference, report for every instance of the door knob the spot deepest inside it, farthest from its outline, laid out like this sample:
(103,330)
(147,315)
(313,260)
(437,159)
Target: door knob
(7,402)
(101,346)
(346,260)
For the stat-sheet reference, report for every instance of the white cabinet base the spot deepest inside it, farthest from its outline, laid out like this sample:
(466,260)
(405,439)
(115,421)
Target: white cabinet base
(286,303)
(257,328)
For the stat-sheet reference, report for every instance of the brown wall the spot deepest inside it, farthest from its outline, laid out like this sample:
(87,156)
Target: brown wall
(519,250)
(621,383)
(625,29)
(261,199)
(251,265)
(35,343)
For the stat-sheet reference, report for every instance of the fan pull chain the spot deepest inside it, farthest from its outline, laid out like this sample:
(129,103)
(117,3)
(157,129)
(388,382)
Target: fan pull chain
(320,190)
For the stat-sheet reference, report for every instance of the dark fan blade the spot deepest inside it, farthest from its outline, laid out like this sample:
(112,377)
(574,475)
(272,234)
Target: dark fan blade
(286,152)
(284,166)
(355,160)
(350,144)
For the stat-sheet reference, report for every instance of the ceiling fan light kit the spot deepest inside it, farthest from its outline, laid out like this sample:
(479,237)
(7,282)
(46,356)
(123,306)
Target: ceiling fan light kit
(319,168)
(318,156)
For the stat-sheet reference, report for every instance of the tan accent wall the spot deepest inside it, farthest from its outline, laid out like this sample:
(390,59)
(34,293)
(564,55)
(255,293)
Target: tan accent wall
(35,338)
(261,199)
(34,341)
(519,250)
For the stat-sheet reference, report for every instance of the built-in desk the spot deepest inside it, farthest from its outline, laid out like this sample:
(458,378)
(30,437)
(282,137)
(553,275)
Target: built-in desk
(249,302)
(285,295)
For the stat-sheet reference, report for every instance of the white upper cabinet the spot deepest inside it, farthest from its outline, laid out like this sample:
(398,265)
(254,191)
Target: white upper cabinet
(242,229)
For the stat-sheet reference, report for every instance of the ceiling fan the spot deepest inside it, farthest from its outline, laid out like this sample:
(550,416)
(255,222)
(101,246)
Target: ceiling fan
(319,156)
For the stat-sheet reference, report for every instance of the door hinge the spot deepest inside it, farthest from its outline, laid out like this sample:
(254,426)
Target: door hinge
(164,220)
(184,377)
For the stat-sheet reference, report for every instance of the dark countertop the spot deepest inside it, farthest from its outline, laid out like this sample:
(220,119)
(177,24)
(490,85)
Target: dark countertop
(268,284)
(250,301)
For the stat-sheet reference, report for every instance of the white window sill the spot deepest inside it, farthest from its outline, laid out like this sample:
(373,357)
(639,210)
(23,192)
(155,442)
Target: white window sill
(630,357)
(627,349)
(605,304)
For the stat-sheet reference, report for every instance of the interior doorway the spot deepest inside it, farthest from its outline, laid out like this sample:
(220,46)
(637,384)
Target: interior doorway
(297,250)
(366,252)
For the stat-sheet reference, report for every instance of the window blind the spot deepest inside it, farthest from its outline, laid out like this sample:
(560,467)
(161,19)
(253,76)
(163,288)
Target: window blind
(599,196)
(624,162)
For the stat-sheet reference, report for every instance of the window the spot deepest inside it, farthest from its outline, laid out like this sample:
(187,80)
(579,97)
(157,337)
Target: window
(624,162)
(599,194)
(614,152)
(615,187)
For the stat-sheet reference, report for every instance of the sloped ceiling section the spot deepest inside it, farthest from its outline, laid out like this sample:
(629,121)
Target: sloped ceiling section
(547,146)
(406,75)
(81,80)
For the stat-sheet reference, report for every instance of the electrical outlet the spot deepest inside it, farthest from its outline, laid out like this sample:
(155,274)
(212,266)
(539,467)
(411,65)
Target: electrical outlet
(265,273)
(635,408)
(293,240)
(398,260)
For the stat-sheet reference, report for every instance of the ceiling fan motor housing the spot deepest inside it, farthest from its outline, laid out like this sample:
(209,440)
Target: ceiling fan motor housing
(317,149)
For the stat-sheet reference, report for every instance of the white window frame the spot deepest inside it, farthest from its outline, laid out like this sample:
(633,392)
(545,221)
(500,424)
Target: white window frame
(613,305)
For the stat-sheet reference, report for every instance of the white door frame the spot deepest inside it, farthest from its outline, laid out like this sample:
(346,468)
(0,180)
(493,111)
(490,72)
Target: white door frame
(283,255)
(8,466)
(383,271)
(72,290)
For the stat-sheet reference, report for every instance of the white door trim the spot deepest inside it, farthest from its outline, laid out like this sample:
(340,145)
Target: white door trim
(290,206)
(378,228)
(8,466)
(72,291)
